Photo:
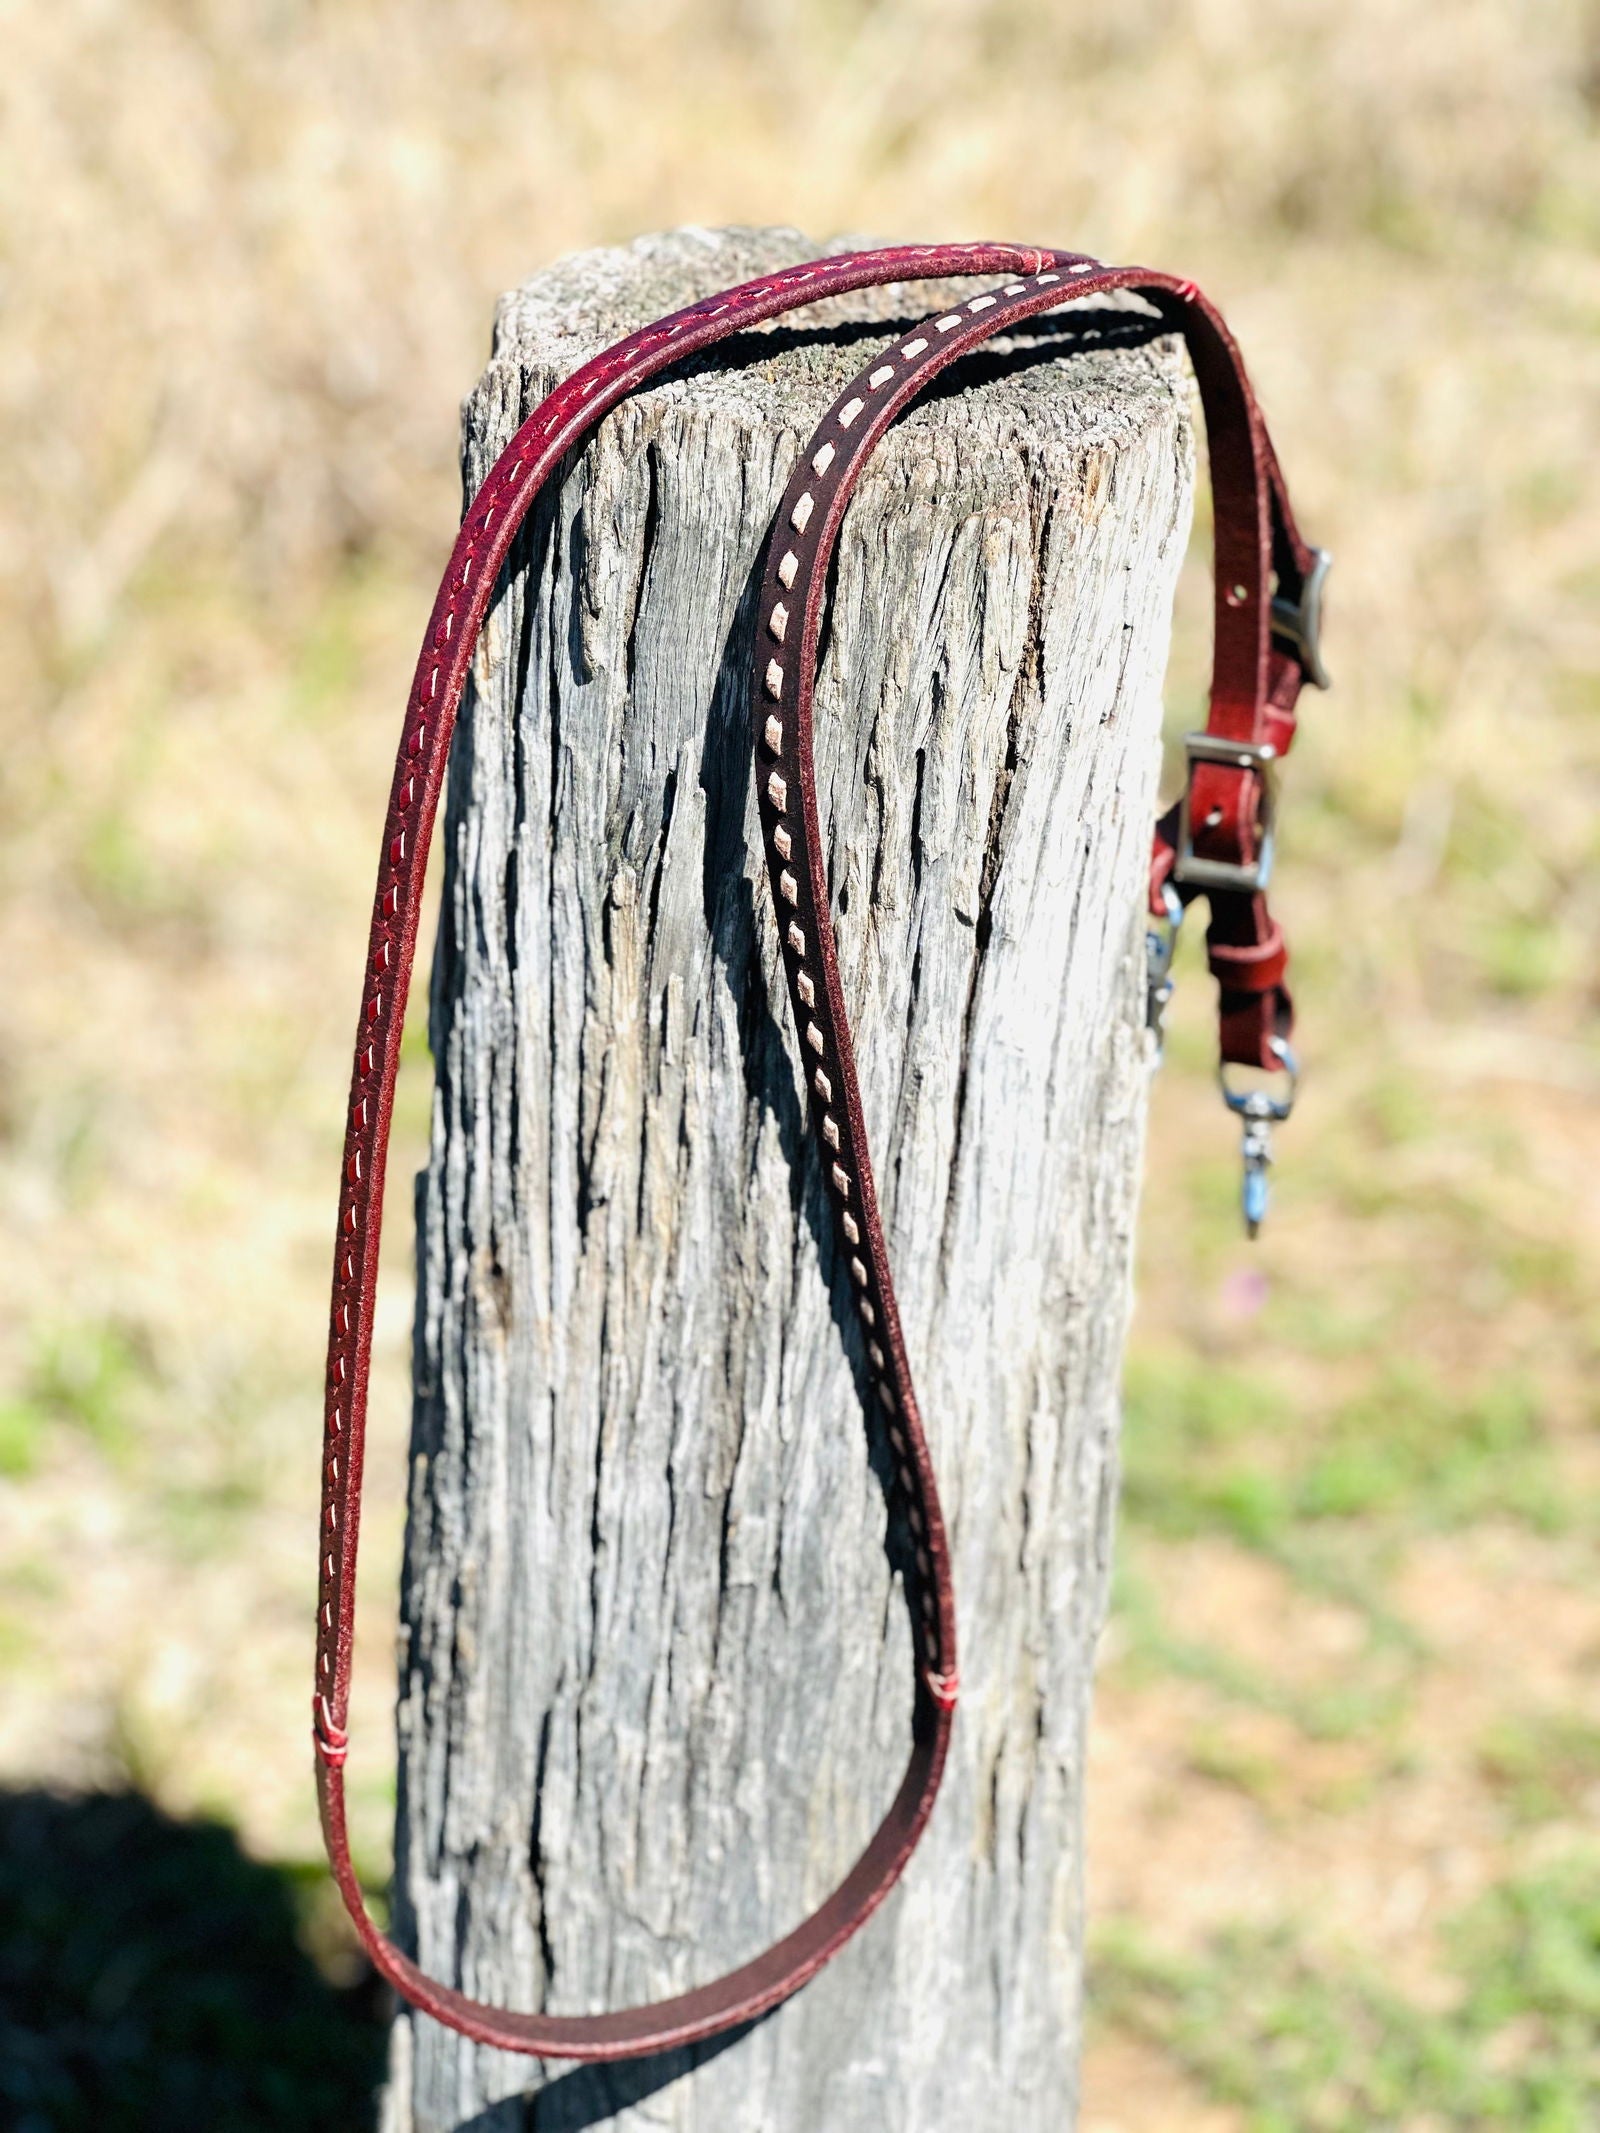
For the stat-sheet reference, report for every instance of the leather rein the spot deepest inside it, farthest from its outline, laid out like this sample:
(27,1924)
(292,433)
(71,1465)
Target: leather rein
(1215,842)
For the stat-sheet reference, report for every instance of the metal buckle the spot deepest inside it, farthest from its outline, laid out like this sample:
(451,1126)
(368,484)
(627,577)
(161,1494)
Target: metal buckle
(1299,622)
(1223,873)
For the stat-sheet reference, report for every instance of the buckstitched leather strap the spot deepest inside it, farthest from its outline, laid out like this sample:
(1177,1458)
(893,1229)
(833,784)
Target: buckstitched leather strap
(1252,700)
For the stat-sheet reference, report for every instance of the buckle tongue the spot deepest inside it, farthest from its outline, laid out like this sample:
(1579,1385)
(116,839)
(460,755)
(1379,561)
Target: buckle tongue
(1299,622)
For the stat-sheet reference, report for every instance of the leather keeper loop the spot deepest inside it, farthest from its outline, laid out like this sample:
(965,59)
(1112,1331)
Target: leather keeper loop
(1239,968)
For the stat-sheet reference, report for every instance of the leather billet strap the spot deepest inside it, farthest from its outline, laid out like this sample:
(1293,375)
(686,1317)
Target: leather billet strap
(1222,807)
(1251,700)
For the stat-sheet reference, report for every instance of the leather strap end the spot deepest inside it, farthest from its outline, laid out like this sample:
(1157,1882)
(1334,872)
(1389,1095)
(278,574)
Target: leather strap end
(1249,1022)
(1163,858)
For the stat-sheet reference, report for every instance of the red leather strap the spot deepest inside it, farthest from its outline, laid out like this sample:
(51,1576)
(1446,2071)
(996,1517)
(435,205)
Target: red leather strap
(1255,1013)
(1248,957)
(1248,966)
(1252,523)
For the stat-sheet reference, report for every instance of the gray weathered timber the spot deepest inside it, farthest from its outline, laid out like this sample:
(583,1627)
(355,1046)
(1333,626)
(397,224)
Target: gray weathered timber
(655,1676)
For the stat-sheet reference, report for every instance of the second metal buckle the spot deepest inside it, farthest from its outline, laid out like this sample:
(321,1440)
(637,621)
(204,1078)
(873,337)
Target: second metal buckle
(1223,873)
(1299,622)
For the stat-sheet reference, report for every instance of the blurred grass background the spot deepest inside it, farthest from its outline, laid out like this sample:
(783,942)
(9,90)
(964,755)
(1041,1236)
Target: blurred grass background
(1347,1751)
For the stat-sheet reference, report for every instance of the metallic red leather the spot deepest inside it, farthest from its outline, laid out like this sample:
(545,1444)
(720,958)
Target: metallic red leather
(1212,844)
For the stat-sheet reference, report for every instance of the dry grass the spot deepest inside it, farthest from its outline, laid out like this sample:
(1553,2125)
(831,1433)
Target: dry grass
(249,258)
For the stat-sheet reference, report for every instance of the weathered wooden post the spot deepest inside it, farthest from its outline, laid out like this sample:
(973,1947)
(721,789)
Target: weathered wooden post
(654,1693)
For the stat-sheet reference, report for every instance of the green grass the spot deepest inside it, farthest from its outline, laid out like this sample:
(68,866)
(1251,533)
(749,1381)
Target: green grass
(83,1375)
(100,1382)
(1304,2043)
(1368,1701)
(1330,1493)
(1213,1449)
(1542,1764)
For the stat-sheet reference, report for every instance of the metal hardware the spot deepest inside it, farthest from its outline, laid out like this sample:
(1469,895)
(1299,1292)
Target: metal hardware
(1159,946)
(1223,873)
(1299,622)
(1259,1112)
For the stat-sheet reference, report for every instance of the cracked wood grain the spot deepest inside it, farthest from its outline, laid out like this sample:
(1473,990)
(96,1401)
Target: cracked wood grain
(654,1673)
